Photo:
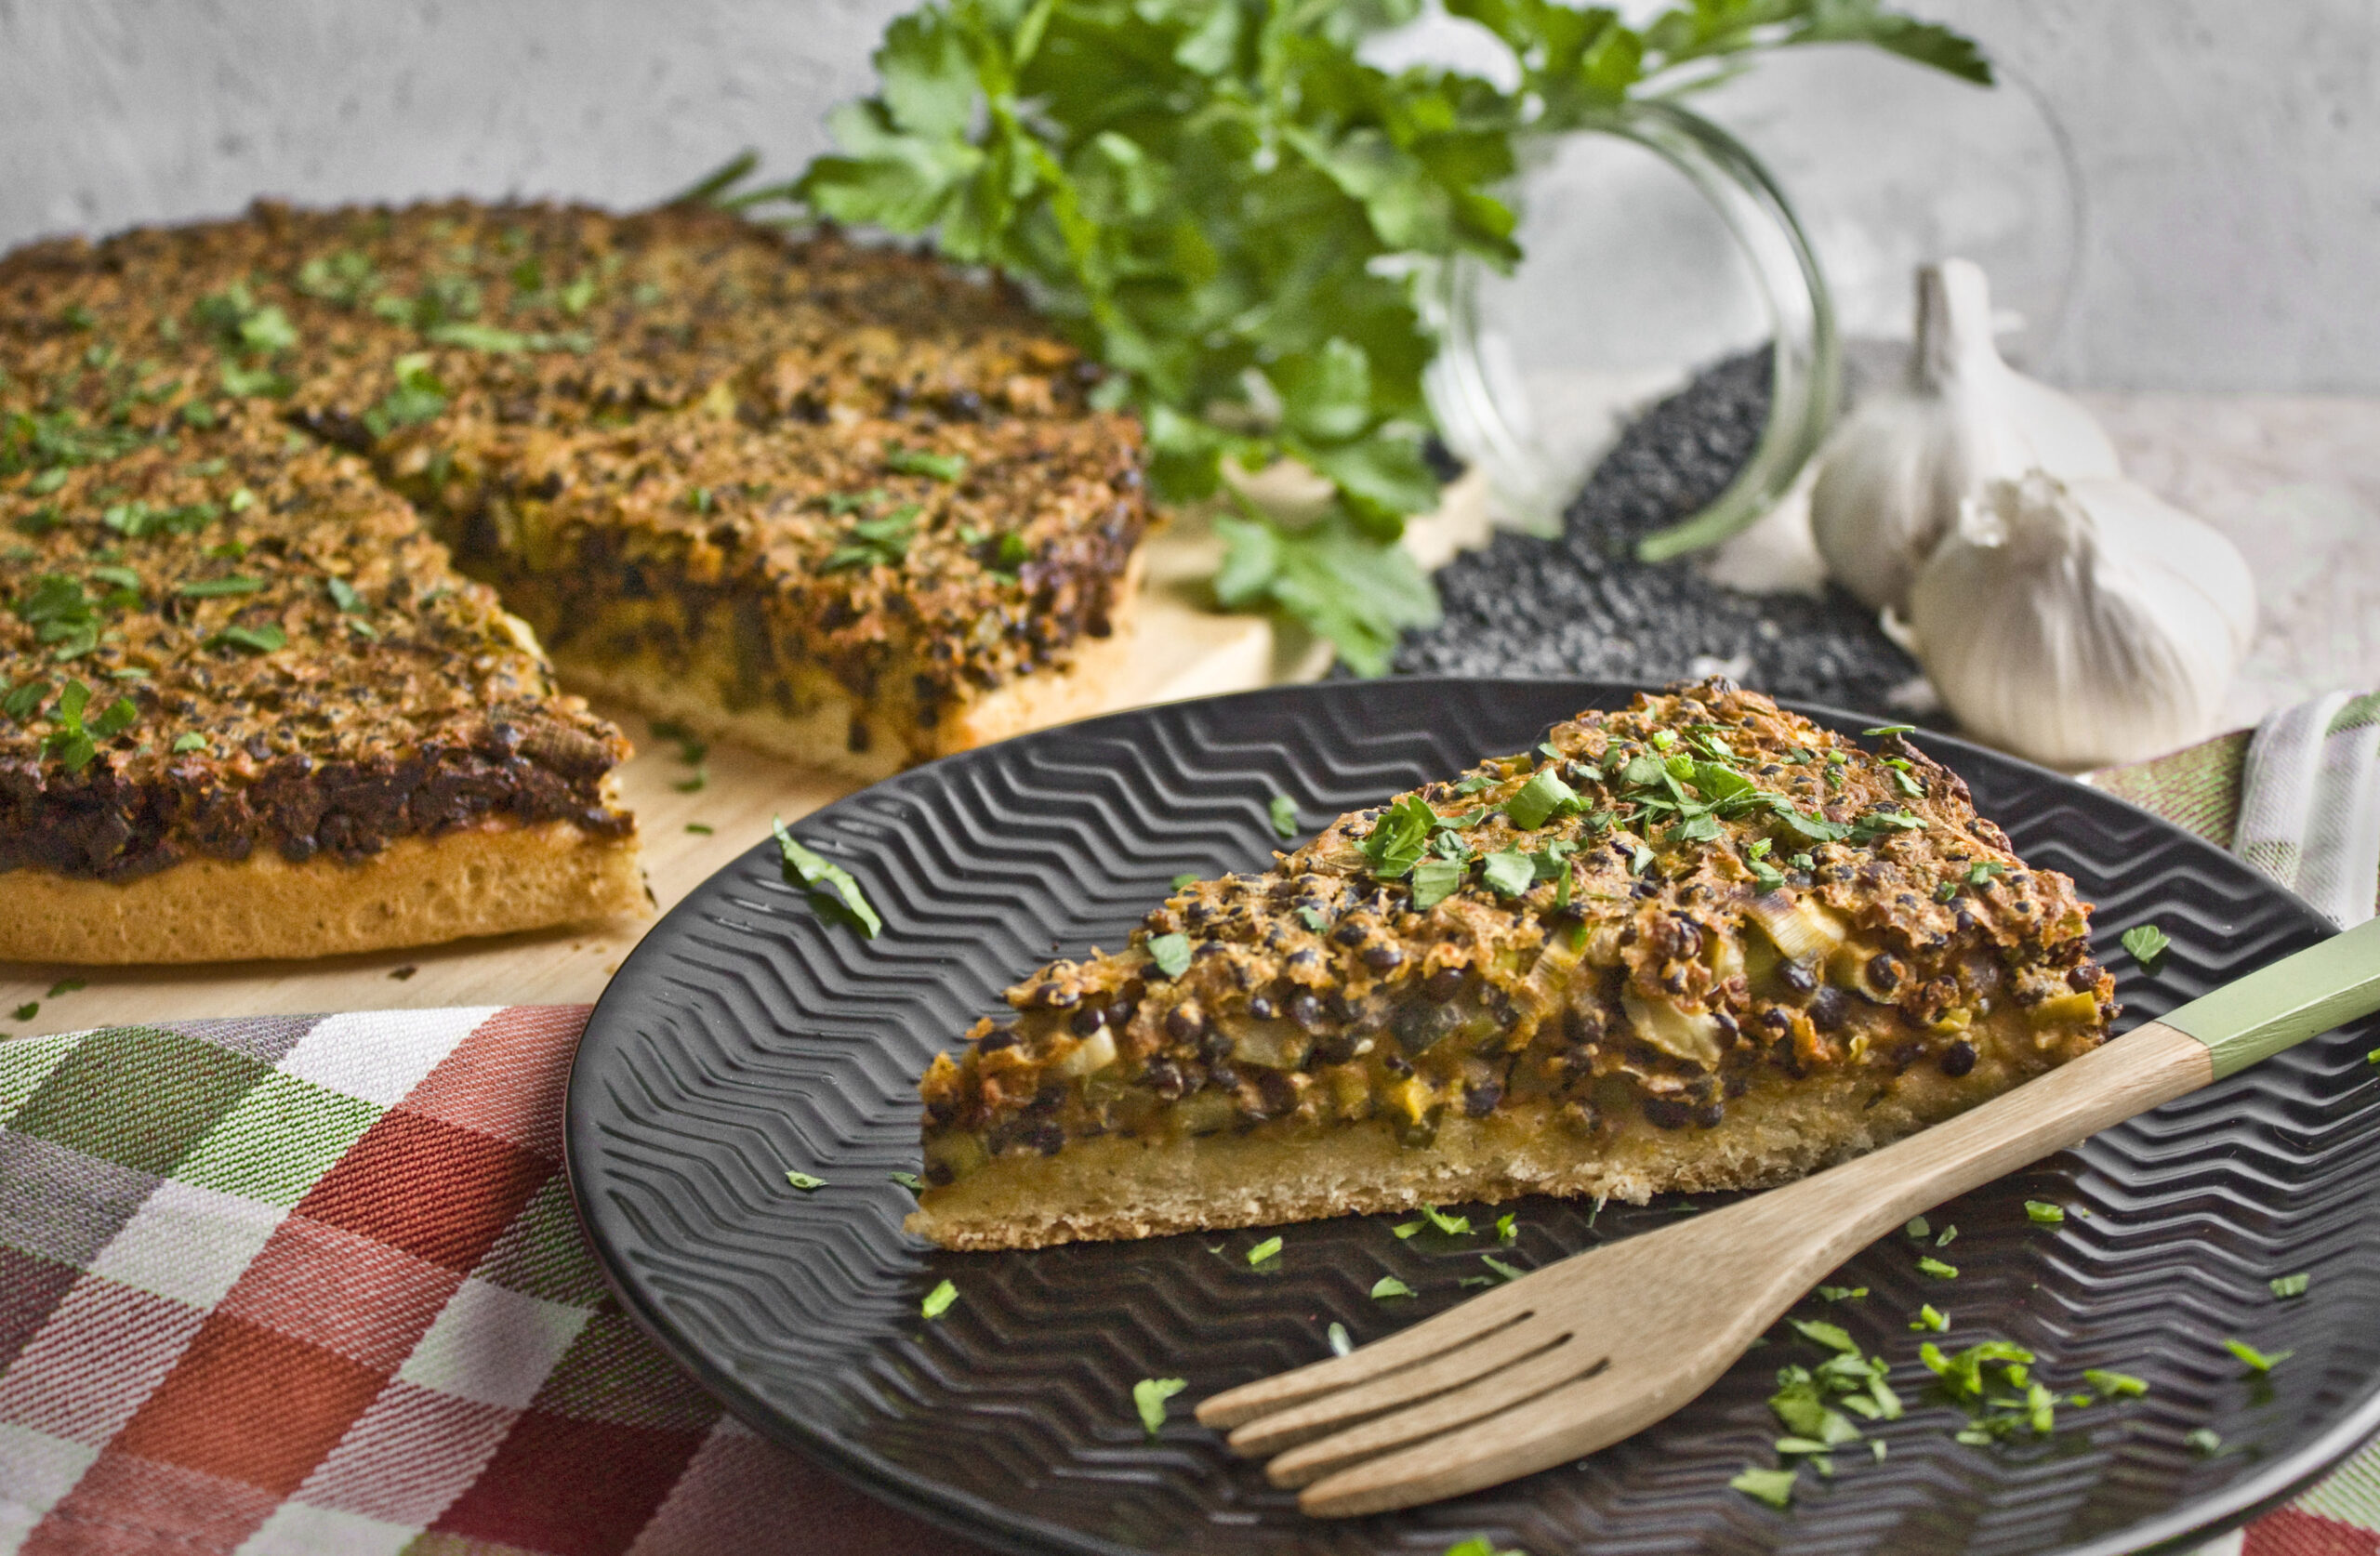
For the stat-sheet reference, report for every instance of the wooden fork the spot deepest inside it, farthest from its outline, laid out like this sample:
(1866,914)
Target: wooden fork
(1581,1353)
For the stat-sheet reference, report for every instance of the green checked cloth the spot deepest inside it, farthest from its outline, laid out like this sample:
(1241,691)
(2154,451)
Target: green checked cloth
(312,1286)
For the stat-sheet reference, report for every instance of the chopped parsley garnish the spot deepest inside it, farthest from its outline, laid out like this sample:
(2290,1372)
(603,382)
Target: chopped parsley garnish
(1433,881)
(700,829)
(26,1012)
(1453,1226)
(2204,1441)
(2114,1385)
(2146,942)
(805,1181)
(1544,798)
(908,1180)
(1982,872)
(419,396)
(66,987)
(1385,1288)
(1284,814)
(188,741)
(1269,1249)
(1341,1342)
(1479,1545)
(1936,1268)
(882,540)
(343,595)
(1503,1271)
(2256,1359)
(1772,1486)
(1832,1335)
(938,1300)
(1640,861)
(1508,1227)
(1842,1293)
(1891,729)
(1149,1396)
(1930,1319)
(24,701)
(1406,1229)
(75,741)
(834,895)
(1189,877)
(1948,1235)
(1398,840)
(1875,823)
(1918,1227)
(1171,953)
(2042,1214)
(1510,873)
(2285,1287)
(694,782)
(911,461)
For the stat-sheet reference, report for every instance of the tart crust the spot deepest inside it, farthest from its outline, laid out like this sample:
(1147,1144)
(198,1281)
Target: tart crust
(415,891)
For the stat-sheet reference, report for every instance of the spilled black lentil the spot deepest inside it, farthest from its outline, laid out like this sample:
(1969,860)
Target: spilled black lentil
(1582,604)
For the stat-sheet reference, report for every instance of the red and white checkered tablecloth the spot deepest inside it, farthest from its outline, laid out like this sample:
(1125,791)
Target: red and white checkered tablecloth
(312,1286)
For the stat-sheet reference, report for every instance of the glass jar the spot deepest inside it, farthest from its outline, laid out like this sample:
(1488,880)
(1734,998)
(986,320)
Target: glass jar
(1657,245)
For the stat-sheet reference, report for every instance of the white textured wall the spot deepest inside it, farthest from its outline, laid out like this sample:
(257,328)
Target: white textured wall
(2229,150)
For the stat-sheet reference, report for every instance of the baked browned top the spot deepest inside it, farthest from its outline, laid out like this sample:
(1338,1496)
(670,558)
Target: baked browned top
(577,402)
(1651,913)
(269,649)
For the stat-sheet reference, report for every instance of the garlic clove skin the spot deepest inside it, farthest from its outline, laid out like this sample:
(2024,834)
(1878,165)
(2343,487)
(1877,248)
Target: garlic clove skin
(2083,623)
(1891,479)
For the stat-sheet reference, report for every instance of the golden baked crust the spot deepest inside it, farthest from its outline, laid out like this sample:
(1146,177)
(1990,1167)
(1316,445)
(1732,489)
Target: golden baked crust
(415,891)
(1700,944)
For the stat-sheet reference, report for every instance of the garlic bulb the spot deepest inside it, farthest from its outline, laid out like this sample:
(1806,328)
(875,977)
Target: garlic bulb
(1891,479)
(2081,623)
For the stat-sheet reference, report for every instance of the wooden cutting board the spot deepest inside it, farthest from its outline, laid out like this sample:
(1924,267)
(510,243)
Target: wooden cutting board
(1182,648)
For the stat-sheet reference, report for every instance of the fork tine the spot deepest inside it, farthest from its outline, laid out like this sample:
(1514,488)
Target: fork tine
(1491,1354)
(1532,1433)
(1460,1325)
(1570,1366)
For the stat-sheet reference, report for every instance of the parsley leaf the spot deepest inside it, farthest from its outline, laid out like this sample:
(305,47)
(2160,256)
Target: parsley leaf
(1773,1487)
(1936,1268)
(1389,1285)
(1171,953)
(1510,873)
(1541,799)
(1283,811)
(2146,942)
(1395,842)
(2285,1287)
(835,896)
(1215,198)
(1341,1342)
(1433,881)
(2257,1361)
(908,461)
(2115,1385)
(938,1300)
(805,1181)
(1269,1249)
(2042,1214)
(1149,1396)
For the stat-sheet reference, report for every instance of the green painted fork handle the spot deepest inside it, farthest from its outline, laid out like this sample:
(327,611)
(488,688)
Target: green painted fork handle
(2280,1006)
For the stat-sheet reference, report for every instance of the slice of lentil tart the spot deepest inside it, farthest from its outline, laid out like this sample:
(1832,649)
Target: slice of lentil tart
(1700,944)
(248,710)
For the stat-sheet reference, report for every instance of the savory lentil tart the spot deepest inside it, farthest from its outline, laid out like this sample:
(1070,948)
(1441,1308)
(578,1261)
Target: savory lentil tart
(1700,944)
(843,502)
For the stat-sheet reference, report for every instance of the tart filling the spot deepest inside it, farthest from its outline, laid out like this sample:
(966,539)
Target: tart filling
(1700,944)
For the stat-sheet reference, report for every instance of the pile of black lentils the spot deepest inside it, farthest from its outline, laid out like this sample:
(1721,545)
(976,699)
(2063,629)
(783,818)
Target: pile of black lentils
(1582,604)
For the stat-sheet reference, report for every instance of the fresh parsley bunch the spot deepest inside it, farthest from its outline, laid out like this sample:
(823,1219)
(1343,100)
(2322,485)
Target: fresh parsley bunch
(1230,209)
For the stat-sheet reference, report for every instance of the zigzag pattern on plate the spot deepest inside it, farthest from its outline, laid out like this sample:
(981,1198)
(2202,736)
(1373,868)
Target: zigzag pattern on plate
(744,1038)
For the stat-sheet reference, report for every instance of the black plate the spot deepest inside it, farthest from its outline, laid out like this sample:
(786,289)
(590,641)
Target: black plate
(744,1038)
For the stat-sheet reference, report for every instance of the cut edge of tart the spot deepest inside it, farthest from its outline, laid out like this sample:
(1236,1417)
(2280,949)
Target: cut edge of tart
(416,891)
(1698,944)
